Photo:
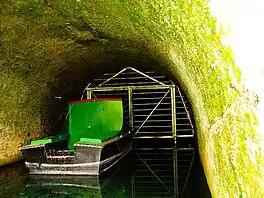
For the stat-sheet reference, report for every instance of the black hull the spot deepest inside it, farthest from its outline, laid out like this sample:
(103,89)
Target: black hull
(87,159)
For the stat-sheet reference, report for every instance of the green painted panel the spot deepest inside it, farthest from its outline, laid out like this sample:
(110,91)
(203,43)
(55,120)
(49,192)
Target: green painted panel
(57,138)
(90,141)
(99,119)
(42,141)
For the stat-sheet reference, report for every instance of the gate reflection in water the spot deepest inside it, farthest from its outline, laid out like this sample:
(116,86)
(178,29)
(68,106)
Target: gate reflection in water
(144,173)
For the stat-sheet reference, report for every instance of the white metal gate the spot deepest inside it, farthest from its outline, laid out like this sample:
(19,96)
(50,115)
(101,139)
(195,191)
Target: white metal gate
(154,106)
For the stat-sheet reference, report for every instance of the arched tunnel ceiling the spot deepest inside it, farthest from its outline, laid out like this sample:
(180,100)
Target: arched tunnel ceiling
(54,47)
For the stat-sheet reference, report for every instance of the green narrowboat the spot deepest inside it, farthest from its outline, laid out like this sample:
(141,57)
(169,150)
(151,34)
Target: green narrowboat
(96,138)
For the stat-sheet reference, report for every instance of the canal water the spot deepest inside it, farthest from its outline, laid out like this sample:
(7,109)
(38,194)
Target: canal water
(144,173)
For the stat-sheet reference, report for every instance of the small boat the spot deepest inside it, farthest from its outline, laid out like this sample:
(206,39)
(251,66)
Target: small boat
(95,139)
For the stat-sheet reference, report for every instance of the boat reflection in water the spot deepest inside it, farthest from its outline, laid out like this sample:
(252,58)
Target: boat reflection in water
(73,186)
(68,186)
(143,173)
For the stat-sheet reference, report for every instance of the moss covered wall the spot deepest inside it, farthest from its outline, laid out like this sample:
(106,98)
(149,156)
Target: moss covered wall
(54,47)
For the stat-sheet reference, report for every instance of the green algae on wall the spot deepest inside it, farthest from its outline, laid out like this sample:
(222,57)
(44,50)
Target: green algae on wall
(46,43)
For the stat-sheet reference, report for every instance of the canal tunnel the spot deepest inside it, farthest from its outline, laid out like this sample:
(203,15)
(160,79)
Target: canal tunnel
(165,156)
(45,65)
(158,114)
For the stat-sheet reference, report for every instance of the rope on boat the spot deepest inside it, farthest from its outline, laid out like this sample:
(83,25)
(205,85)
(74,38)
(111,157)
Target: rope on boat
(154,174)
(65,121)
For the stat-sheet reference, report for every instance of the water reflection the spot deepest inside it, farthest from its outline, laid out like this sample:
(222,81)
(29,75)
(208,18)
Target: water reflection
(143,173)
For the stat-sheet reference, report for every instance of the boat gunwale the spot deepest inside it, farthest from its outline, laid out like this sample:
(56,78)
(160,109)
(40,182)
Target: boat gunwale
(104,142)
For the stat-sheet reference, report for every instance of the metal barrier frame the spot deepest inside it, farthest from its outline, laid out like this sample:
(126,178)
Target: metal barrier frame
(170,87)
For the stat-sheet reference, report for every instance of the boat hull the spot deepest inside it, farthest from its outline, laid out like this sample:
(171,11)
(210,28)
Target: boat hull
(87,159)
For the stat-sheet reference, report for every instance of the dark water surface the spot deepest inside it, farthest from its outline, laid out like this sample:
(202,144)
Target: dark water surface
(143,173)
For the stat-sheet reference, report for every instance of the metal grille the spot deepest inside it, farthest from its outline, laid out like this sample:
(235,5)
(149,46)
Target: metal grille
(184,126)
(154,106)
(128,77)
(159,123)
